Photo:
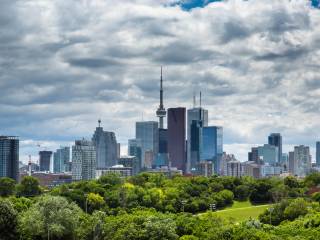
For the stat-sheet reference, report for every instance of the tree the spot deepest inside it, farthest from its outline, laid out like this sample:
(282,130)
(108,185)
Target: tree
(261,193)
(242,192)
(7,186)
(8,221)
(298,207)
(91,226)
(291,182)
(29,187)
(50,217)
(20,204)
(94,202)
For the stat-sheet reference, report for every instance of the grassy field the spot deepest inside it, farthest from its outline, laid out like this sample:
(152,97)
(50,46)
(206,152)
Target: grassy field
(241,211)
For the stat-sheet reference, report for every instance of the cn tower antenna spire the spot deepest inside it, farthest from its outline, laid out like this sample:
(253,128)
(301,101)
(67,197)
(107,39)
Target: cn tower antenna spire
(161,112)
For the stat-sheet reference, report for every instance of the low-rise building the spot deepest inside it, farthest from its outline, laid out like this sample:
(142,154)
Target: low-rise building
(121,170)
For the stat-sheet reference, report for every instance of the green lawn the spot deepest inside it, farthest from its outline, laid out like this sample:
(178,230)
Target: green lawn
(241,211)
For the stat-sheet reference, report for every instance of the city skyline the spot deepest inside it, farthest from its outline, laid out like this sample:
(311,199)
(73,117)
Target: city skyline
(55,91)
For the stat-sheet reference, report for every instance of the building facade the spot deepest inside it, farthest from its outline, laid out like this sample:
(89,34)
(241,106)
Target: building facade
(131,162)
(253,156)
(196,119)
(83,160)
(275,139)
(162,157)
(302,160)
(177,137)
(61,159)
(134,149)
(212,146)
(251,169)
(9,157)
(120,170)
(148,133)
(106,147)
(234,169)
(45,160)
(292,164)
(268,154)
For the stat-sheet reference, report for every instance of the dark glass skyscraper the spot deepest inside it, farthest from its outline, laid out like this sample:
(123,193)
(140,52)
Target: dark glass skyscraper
(197,118)
(275,139)
(45,160)
(9,157)
(318,154)
(212,146)
(162,157)
(176,137)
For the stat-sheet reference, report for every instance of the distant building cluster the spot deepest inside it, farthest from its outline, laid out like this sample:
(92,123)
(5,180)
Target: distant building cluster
(187,146)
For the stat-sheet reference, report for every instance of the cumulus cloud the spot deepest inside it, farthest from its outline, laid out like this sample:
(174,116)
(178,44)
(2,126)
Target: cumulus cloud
(64,64)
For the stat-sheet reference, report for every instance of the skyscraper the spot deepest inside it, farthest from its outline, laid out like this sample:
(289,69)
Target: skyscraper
(302,160)
(162,157)
(134,149)
(106,147)
(61,159)
(291,163)
(9,157)
(197,118)
(275,139)
(83,160)
(176,137)
(161,111)
(148,133)
(253,156)
(268,154)
(45,160)
(212,146)
(318,154)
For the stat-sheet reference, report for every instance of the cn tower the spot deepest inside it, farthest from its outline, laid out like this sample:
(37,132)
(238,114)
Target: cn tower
(161,112)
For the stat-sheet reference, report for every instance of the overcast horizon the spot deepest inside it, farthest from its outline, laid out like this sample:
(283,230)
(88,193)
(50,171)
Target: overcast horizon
(67,63)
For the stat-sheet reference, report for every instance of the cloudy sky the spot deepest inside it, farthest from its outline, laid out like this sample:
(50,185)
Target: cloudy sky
(66,63)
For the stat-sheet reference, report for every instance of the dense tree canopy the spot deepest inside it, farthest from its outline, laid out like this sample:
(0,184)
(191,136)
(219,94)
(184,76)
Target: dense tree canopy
(152,206)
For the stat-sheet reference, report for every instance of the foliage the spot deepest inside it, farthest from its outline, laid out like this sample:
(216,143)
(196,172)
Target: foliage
(7,186)
(29,187)
(153,206)
(8,220)
(285,210)
(50,217)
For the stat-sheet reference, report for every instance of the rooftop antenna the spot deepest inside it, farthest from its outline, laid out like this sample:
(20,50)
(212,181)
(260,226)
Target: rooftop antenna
(200,100)
(99,122)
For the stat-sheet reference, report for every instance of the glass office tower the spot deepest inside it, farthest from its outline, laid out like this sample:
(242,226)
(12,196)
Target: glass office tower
(275,139)
(45,160)
(9,157)
(212,146)
(197,118)
(177,137)
(148,133)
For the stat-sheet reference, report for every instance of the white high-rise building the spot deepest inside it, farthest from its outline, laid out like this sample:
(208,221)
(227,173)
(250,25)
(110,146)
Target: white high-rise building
(234,169)
(302,160)
(83,160)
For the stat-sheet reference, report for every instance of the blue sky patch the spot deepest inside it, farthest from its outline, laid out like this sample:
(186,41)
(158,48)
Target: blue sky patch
(190,4)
